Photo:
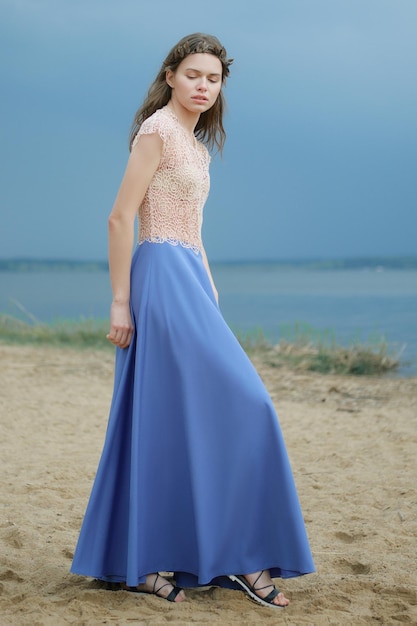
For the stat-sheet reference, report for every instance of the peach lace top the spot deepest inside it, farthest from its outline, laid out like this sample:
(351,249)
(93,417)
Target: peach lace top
(172,209)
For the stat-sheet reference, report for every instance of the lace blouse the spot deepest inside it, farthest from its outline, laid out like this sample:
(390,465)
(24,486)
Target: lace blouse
(172,209)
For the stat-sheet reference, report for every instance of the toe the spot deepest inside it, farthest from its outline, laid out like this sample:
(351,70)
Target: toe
(281,600)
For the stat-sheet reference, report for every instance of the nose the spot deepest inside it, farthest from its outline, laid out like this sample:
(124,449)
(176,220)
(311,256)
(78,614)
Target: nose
(202,85)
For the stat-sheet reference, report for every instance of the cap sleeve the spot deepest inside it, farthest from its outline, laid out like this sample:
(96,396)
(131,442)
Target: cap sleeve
(155,124)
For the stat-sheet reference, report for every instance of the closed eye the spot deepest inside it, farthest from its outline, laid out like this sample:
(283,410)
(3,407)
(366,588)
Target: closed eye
(212,78)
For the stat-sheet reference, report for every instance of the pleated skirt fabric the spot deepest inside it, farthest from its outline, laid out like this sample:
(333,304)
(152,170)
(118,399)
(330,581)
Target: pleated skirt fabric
(194,476)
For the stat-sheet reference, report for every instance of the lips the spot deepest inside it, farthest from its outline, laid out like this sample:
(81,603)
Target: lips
(199,99)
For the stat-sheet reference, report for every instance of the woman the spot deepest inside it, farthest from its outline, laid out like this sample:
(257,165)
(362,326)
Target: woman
(194,477)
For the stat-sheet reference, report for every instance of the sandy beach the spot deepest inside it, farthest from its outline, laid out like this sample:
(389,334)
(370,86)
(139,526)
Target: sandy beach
(353,447)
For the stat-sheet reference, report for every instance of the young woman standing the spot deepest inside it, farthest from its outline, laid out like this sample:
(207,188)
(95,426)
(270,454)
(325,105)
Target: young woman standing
(194,476)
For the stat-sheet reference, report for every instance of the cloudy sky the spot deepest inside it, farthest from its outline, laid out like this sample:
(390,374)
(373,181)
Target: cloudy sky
(321,155)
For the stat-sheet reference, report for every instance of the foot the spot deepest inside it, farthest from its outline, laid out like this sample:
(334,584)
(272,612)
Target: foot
(159,586)
(262,583)
(261,588)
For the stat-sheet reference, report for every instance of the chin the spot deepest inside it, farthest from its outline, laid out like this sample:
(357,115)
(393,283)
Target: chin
(201,107)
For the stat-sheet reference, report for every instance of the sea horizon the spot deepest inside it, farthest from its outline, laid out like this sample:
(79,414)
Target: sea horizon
(379,263)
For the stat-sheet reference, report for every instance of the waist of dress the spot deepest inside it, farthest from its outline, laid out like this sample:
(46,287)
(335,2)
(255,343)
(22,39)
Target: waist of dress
(172,242)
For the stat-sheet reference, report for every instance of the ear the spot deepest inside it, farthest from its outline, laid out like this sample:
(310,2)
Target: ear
(169,77)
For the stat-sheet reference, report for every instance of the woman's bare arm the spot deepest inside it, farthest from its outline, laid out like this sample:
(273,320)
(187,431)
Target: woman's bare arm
(141,166)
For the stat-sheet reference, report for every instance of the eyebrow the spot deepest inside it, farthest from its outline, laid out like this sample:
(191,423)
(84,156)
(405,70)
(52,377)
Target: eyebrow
(192,69)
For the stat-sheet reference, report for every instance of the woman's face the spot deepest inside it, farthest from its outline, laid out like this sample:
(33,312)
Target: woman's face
(196,83)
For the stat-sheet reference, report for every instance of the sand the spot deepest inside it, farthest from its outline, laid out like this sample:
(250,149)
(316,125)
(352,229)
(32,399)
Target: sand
(353,447)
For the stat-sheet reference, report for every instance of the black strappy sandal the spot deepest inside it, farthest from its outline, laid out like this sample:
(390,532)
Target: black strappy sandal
(156,592)
(252,591)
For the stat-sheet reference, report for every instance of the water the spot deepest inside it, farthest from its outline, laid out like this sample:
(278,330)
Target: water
(354,304)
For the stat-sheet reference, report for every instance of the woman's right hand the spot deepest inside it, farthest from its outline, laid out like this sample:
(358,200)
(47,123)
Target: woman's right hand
(141,167)
(121,327)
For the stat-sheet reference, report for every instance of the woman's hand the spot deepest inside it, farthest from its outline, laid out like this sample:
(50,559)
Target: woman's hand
(121,327)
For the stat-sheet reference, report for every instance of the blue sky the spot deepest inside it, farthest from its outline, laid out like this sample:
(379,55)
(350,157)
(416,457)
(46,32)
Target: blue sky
(321,155)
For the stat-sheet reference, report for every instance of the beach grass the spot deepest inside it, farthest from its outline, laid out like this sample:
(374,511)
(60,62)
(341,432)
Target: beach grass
(82,333)
(301,346)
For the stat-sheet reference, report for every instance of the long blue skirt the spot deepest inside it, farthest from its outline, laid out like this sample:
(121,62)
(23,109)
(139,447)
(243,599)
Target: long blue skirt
(194,476)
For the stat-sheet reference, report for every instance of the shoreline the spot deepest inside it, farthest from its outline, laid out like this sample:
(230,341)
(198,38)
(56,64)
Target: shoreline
(345,306)
(301,347)
(352,443)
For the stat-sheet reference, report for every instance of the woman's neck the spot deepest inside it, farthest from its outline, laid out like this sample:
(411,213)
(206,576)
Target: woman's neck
(187,119)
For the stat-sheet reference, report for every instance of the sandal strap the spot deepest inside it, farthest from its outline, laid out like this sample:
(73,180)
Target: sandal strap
(172,594)
(255,588)
(254,583)
(171,597)
(165,584)
(271,595)
(154,590)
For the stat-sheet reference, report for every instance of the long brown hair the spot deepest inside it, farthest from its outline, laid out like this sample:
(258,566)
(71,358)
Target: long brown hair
(209,127)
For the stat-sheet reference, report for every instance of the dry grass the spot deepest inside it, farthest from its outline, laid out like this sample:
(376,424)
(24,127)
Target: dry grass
(305,349)
(311,350)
